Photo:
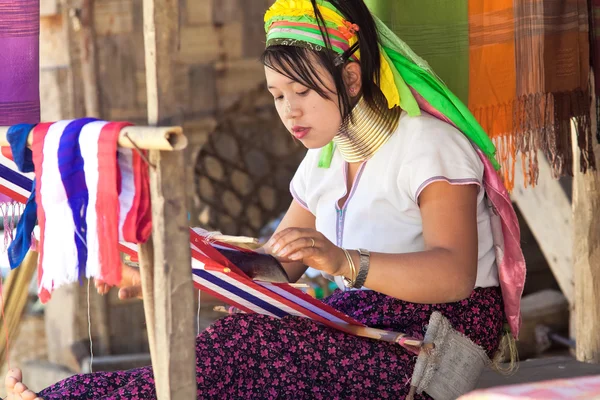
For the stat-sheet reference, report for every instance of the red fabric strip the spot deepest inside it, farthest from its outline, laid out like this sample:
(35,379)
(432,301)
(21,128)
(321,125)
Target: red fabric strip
(39,136)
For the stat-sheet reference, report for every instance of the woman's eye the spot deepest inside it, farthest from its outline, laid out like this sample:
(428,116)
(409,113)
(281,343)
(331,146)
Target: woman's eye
(303,93)
(278,98)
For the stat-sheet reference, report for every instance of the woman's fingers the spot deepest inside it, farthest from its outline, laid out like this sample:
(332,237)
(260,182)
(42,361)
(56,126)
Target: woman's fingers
(282,239)
(298,244)
(101,287)
(304,253)
(130,292)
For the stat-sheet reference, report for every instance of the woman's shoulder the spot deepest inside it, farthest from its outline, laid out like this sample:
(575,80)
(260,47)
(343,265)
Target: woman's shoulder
(425,129)
(424,138)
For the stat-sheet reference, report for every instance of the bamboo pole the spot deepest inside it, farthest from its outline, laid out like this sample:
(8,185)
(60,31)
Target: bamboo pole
(165,138)
(14,296)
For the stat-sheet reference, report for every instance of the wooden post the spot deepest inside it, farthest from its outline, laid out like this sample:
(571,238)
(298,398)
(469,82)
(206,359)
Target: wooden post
(586,252)
(171,304)
(87,43)
(548,212)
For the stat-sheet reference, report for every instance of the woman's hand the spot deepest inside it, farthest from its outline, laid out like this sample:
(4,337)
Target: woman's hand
(309,247)
(130,286)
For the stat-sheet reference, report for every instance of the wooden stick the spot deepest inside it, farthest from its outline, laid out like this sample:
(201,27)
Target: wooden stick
(175,363)
(168,138)
(234,239)
(146,265)
(15,296)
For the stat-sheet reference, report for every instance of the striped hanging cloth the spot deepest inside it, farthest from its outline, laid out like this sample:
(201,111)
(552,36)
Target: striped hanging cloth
(88,195)
(521,67)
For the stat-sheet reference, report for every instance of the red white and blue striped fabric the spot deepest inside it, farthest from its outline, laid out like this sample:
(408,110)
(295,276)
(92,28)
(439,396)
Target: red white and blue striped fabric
(214,274)
(79,204)
(14,183)
(227,282)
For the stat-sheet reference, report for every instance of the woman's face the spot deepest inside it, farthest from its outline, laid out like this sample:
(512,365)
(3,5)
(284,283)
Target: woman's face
(309,117)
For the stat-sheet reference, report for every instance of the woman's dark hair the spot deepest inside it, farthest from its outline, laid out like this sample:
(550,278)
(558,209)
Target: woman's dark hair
(297,63)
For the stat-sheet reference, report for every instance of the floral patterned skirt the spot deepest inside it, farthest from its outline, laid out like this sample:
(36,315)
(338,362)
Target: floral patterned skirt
(251,356)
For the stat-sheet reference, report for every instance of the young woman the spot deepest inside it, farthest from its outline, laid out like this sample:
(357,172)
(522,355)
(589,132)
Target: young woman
(390,202)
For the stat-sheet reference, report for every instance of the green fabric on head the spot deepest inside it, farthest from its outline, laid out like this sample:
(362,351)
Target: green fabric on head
(443,100)
(303,19)
(407,101)
(326,155)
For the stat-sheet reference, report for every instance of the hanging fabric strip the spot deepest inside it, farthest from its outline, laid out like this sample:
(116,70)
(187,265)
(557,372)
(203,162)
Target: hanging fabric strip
(99,141)
(61,262)
(70,166)
(40,132)
(17,137)
(135,219)
(88,143)
(19,64)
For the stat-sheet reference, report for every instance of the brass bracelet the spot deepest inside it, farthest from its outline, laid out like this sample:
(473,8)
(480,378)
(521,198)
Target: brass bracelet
(350,282)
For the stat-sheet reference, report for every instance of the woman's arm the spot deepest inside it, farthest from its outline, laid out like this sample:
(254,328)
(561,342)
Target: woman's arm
(444,272)
(297,217)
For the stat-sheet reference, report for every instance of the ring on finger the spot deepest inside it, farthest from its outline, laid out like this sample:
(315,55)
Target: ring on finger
(313,242)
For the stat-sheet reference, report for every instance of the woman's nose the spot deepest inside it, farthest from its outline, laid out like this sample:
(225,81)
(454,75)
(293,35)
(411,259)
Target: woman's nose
(290,111)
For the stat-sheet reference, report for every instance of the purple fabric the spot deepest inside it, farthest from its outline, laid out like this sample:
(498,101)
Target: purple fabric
(19,62)
(253,356)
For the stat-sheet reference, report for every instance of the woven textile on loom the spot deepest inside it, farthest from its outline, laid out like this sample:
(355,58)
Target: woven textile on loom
(521,67)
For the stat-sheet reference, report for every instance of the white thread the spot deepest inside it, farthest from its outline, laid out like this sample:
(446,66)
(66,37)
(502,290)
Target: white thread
(90,328)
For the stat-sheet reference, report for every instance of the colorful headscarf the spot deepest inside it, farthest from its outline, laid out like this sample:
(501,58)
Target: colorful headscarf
(406,79)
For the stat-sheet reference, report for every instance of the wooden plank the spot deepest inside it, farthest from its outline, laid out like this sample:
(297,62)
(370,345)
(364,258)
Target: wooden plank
(547,210)
(49,7)
(87,42)
(113,17)
(536,370)
(586,217)
(54,49)
(174,358)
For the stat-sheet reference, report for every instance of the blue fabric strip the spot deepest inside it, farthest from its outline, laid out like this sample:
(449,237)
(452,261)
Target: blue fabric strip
(240,293)
(22,242)
(70,165)
(17,137)
(14,177)
(22,155)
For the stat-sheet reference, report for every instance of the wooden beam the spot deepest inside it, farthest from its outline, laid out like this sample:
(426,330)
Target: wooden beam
(174,357)
(586,249)
(89,75)
(547,210)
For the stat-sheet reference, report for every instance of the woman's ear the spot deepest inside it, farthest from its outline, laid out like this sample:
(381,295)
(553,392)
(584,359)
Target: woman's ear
(352,78)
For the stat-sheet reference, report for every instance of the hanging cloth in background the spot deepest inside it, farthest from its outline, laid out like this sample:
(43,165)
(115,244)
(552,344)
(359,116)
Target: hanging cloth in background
(522,70)
(19,98)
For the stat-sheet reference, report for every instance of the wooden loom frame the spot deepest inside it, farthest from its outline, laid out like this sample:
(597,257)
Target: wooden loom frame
(165,259)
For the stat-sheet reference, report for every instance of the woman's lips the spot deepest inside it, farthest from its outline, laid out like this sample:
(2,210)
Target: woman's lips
(300,132)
